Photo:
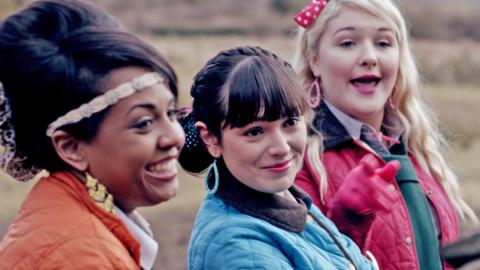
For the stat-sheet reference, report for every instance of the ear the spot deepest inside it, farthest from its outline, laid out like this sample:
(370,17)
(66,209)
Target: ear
(314,66)
(69,150)
(210,140)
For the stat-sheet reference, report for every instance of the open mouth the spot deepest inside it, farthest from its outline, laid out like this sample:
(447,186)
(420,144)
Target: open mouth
(163,169)
(365,81)
(366,84)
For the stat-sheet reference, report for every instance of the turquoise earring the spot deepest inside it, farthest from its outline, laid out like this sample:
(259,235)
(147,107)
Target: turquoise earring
(214,189)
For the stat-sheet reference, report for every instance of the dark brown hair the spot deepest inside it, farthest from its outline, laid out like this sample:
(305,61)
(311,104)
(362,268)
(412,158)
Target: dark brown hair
(55,56)
(237,87)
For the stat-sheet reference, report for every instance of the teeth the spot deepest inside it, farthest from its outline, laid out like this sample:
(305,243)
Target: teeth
(164,166)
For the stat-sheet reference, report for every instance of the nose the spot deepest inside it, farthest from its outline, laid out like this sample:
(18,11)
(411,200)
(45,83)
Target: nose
(279,145)
(368,56)
(171,135)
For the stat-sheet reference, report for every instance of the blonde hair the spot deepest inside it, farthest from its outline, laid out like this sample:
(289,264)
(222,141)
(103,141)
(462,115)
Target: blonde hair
(422,134)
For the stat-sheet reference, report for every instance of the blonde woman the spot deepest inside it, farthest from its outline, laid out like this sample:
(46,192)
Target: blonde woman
(354,57)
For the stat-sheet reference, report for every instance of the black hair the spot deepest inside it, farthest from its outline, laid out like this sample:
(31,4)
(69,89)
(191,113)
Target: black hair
(55,56)
(237,87)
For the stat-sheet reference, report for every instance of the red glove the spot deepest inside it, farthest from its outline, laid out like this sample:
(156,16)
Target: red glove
(367,188)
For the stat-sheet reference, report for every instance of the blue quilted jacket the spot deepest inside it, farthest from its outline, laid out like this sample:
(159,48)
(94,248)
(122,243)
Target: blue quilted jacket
(239,228)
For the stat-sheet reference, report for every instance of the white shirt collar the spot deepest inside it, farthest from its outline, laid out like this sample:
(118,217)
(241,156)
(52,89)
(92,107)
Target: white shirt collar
(352,125)
(140,228)
(392,124)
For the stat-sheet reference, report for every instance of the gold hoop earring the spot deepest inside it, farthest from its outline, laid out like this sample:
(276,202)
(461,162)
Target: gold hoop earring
(99,194)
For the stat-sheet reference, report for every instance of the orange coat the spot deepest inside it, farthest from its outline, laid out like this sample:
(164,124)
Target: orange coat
(60,227)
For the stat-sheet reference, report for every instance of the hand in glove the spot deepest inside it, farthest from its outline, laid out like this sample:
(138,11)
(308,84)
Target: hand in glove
(367,188)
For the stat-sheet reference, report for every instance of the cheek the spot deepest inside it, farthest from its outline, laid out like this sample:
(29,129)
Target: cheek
(391,63)
(331,61)
(299,140)
(333,77)
(244,157)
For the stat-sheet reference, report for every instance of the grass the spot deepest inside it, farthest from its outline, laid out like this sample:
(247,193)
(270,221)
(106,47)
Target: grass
(456,106)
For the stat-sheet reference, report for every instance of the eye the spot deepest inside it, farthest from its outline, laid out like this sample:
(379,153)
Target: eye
(383,44)
(253,132)
(144,123)
(291,121)
(347,43)
(174,114)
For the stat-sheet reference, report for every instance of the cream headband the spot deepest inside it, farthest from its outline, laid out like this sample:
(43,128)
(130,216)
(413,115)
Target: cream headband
(101,102)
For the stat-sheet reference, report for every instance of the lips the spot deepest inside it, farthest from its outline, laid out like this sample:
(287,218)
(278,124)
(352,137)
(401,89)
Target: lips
(163,171)
(365,84)
(279,167)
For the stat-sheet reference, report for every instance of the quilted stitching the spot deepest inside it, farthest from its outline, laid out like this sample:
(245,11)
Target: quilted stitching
(224,238)
(386,238)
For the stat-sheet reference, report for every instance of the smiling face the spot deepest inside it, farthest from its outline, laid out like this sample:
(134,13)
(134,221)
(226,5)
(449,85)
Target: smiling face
(265,155)
(134,153)
(357,64)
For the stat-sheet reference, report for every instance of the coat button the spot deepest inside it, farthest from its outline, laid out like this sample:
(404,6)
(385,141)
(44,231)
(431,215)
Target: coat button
(408,240)
(429,192)
(309,219)
(390,188)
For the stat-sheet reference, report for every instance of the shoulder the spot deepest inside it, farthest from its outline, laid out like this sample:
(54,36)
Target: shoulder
(85,246)
(54,225)
(224,236)
(343,156)
(88,252)
(215,216)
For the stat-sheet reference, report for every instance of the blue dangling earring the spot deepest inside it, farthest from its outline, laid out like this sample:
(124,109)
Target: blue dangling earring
(215,174)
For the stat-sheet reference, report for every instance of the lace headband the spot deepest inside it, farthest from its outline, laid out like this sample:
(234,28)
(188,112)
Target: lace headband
(103,101)
(14,163)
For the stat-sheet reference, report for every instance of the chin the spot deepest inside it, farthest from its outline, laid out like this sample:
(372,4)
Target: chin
(168,195)
(162,196)
(283,187)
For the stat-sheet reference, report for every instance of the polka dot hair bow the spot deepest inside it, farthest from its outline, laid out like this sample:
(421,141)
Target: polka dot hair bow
(187,121)
(308,15)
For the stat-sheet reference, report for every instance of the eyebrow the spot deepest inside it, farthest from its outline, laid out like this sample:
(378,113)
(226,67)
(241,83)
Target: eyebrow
(351,28)
(148,106)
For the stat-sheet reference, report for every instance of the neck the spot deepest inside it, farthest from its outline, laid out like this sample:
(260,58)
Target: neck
(374,120)
(79,175)
(287,210)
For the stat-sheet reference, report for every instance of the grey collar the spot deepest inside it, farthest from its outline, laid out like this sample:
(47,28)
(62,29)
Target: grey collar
(276,210)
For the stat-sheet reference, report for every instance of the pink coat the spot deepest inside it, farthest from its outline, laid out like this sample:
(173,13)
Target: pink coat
(389,235)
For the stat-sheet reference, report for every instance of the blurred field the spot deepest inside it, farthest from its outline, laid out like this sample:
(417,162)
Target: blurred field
(456,101)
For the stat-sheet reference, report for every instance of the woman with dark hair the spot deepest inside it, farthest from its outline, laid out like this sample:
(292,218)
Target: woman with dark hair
(95,108)
(248,127)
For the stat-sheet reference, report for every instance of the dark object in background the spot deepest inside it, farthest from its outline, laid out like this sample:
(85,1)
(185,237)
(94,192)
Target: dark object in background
(463,251)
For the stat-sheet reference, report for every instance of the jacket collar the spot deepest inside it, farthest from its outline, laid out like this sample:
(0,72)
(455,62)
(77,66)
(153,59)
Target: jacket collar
(333,132)
(74,186)
(274,209)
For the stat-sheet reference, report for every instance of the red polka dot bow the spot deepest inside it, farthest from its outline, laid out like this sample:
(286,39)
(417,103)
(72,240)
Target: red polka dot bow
(308,15)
